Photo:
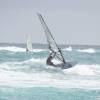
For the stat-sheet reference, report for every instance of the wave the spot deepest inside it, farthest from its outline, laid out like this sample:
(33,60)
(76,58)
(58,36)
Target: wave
(21,79)
(39,50)
(84,70)
(90,50)
(22,64)
(13,48)
(19,49)
(80,76)
(68,49)
(79,69)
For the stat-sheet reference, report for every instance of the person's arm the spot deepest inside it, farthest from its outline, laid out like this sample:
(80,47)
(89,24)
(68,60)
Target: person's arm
(53,54)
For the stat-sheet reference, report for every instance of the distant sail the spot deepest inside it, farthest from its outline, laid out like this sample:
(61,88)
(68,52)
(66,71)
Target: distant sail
(28,44)
(50,39)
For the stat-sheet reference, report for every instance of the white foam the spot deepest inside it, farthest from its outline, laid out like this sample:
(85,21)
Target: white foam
(38,60)
(21,79)
(68,49)
(90,50)
(13,48)
(39,50)
(75,77)
(75,70)
(19,49)
(17,65)
(82,70)
(33,60)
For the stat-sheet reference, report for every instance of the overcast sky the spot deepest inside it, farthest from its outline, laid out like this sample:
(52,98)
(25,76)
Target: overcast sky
(70,21)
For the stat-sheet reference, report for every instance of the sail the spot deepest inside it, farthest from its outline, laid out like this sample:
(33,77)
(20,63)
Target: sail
(50,39)
(28,44)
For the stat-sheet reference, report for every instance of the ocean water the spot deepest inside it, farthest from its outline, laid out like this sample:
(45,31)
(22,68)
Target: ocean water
(25,76)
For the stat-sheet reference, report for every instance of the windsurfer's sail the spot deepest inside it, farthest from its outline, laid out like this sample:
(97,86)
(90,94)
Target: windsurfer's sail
(51,42)
(28,44)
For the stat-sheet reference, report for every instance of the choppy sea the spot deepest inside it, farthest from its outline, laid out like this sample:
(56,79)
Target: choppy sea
(25,76)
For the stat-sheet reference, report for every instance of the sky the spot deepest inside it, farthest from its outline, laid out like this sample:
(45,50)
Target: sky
(70,21)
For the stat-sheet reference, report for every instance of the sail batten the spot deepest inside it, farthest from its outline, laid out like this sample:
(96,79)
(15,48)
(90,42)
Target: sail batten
(51,41)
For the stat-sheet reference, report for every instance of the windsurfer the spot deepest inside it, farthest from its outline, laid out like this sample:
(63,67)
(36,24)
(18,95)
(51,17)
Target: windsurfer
(54,48)
(50,58)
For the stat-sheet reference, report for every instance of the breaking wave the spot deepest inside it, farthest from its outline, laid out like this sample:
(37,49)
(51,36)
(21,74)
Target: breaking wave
(19,49)
(90,50)
(68,49)
(34,72)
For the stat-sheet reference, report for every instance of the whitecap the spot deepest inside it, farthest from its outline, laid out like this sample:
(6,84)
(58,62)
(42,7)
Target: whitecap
(19,49)
(90,50)
(81,70)
(68,49)
(21,79)
(13,49)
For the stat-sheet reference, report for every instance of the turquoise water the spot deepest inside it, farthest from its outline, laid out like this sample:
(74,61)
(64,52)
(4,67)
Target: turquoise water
(25,76)
(48,94)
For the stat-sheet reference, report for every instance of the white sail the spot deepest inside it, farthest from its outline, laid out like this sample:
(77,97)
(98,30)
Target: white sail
(51,42)
(28,44)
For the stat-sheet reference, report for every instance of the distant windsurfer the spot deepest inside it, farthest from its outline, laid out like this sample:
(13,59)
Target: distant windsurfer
(28,44)
(50,58)
(27,49)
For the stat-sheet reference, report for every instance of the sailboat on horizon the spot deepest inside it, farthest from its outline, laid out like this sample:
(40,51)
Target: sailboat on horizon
(55,51)
(29,44)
